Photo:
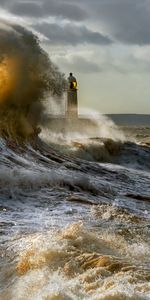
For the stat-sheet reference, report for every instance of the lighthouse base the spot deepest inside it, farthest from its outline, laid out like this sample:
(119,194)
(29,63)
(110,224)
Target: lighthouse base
(79,125)
(72,104)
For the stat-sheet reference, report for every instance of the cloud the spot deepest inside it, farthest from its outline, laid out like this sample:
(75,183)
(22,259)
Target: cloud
(70,34)
(3,2)
(26,8)
(46,8)
(68,10)
(125,20)
(80,64)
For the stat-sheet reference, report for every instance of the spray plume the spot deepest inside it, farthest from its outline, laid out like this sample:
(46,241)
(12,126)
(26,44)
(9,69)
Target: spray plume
(27,76)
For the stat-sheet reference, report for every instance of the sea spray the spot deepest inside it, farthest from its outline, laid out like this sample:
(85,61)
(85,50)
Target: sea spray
(27,76)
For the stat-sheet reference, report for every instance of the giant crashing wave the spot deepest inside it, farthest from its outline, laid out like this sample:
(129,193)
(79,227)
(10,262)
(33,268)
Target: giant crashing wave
(27,75)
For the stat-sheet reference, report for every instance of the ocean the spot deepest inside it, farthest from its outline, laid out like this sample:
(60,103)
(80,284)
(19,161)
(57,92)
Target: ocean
(75,215)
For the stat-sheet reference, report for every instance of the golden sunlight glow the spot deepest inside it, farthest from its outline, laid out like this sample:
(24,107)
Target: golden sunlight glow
(8,78)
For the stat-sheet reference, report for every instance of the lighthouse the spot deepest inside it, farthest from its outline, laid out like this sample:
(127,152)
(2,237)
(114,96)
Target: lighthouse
(71,121)
(72,98)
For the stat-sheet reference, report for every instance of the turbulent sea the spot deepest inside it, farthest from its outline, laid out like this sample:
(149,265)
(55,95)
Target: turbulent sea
(75,216)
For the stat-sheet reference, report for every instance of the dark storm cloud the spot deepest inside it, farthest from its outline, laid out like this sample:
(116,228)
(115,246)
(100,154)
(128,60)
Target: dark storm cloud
(67,10)
(29,9)
(3,2)
(46,8)
(71,34)
(127,21)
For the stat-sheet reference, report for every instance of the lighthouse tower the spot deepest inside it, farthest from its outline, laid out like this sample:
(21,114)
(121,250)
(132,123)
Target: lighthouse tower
(72,98)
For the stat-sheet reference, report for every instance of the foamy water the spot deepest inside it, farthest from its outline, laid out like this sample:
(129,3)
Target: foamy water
(75,218)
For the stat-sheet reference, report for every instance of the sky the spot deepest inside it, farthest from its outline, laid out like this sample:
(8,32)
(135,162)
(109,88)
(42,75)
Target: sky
(105,43)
